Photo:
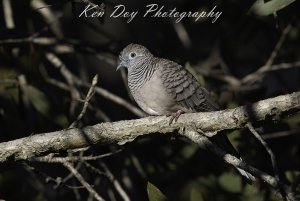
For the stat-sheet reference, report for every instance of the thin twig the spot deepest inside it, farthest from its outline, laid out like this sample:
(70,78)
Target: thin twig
(80,178)
(96,170)
(204,141)
(267,148)
(50,157)
(8,14)
(57,63)
(270,152)
(96,182)
(70,167)
(268,65)
(278,46)
(111,178)
(136,163)
(58,84)
(78,166)
(236,84)
(116,99)
(8,81)
(281,134)
(72,79)
(100,8)
(86,101)
(115,182)
(51,19)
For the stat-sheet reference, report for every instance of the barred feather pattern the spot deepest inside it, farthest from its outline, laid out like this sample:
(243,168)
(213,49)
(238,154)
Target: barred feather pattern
(184,88)
(171,87)
(140,74)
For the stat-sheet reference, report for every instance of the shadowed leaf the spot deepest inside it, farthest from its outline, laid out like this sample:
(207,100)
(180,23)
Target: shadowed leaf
(230,182)
(196,195)
(154,194)
(262,8)
(37,98)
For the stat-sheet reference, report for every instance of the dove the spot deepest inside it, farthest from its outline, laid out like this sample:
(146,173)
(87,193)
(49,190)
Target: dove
(163,87)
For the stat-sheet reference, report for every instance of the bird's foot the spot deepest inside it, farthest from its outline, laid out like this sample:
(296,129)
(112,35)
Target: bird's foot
(174,116)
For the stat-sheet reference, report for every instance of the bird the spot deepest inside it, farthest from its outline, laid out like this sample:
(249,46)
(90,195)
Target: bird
(163,87)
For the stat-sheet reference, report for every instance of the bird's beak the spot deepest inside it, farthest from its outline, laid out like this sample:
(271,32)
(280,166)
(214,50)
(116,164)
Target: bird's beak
(121,64)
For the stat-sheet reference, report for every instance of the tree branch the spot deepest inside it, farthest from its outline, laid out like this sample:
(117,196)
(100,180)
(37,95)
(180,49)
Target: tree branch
(188,125)
(122,132)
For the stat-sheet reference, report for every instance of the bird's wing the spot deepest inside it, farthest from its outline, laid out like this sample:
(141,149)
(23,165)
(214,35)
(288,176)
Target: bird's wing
(184,88)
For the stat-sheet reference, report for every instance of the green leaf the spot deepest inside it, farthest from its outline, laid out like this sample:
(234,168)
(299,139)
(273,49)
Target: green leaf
(209,181)
(262,8)
(37,98)
(196,195)
(251,193)
(189,151)
(291,175)
(154,194)
(230,182)
(233,136)
(198,77)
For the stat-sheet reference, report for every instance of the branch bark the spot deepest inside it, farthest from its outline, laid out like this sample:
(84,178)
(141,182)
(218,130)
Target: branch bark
(122,132)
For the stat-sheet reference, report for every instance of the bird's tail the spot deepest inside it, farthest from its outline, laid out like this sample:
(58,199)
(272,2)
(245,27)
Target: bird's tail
(222,141)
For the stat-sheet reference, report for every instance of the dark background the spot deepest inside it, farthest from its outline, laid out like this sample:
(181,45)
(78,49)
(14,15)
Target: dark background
(237,44)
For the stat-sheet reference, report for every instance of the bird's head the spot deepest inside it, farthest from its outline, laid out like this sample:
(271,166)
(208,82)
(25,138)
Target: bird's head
(133,55)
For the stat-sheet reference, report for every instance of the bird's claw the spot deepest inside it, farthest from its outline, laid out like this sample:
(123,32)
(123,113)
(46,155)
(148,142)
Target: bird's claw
(174,116)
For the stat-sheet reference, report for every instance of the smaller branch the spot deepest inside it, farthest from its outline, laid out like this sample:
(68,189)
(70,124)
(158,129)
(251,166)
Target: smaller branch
(237,84)
(257,74)
(50,18)
(267,148)
(57,63)
(204,142)
(8,14)
(50,157)
(281,134)
(182,34)
(272,156)
(278,46)
(86,102)
(78,166)
(100,8)
(282,66)
(115,182)
(96,182)
(116,99)
(82,181)
(268,65)
(102,115)
(52,81)
(69,166)
(8,81)
(220,75)
(96,170)
(72,79)
(74,187)
(136,163)
(110,177)
(58,84)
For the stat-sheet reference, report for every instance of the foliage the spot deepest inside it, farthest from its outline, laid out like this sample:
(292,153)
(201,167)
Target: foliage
(36,96)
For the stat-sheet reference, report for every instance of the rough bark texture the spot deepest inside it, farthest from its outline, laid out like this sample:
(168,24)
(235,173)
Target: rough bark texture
(122,132)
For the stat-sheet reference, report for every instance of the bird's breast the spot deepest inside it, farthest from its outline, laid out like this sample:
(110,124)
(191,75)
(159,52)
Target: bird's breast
(153,98)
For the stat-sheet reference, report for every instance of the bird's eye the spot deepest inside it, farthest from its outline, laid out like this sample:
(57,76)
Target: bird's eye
(132,55)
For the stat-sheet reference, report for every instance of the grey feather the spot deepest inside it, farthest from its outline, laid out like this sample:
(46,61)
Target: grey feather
(160,87)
